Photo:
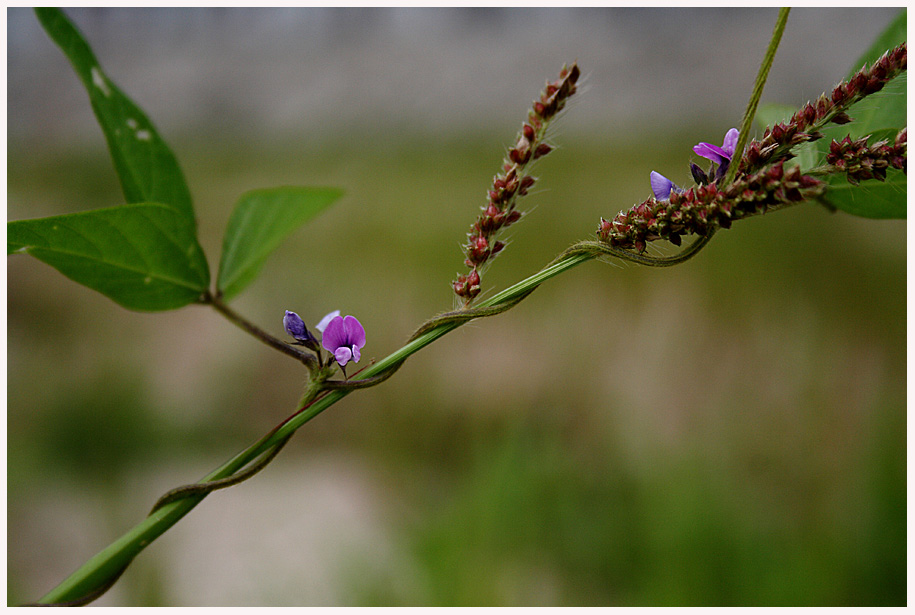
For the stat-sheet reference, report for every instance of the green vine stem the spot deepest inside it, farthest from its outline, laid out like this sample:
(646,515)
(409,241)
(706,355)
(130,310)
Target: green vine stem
(100,572)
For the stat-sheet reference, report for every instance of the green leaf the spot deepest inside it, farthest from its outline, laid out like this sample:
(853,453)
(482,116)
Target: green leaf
(261,221)
(143,256)
(870,199)
(146,167)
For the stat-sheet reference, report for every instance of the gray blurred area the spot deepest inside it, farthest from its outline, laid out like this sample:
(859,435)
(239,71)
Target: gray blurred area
(297,72)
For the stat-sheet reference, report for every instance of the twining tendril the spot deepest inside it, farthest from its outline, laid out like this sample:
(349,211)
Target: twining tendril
(591,249)
(186,491)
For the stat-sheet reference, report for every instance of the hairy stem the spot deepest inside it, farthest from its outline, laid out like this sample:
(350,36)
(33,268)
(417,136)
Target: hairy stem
(753,103)
(308,359)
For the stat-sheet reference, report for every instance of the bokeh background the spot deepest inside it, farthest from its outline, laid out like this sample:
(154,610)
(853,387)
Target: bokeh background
(730,431)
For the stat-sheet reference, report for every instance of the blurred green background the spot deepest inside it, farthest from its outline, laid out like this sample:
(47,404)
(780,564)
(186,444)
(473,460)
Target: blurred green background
(730,431)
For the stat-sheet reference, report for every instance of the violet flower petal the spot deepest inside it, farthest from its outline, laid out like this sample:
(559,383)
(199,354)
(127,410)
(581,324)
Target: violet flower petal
(712,152)
(324,321)
(355,334)
(343,355)
(730,142)
(661,186)
(719,154)
(334,336)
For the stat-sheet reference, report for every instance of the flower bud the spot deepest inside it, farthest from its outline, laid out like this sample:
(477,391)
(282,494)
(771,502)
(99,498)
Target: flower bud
(295,327)
(699,175)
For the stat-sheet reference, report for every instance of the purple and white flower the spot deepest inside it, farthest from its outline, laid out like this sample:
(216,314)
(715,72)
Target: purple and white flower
(344,337)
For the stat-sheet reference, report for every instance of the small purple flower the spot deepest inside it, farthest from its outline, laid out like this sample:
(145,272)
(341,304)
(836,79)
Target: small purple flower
(296,328)
(344,337)
(719,154)
(662,187)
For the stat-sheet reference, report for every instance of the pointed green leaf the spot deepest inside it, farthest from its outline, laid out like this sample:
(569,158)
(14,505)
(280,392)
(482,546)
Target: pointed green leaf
(143,256)
(146,167)
(262,219)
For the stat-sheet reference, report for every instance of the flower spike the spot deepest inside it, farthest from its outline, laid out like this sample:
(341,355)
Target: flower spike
(761,180)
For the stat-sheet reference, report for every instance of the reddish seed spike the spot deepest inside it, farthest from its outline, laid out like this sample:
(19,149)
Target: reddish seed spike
(499,211)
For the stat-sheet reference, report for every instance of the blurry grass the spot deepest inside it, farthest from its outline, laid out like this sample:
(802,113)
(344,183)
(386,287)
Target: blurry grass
(730,431)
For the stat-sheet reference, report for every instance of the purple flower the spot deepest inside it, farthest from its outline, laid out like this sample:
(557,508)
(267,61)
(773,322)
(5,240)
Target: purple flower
(662,187)
(344,337)
(719,154)
(296,328)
